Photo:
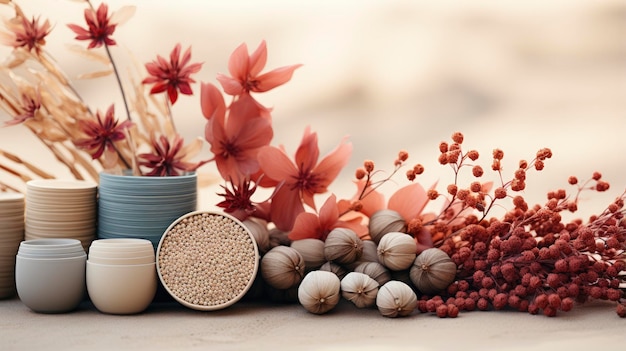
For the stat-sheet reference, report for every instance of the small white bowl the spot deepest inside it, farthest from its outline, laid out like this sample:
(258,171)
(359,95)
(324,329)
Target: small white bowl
(121,289)
(50,285)
(121,260)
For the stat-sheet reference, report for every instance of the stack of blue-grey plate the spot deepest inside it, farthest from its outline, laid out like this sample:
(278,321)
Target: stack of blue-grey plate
(143,207)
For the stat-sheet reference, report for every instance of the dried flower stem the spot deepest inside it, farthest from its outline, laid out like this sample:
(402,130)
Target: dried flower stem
(168,106)
(28,165)
(6,187)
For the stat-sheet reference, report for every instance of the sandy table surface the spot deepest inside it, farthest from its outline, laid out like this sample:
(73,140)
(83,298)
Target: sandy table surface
(266,326)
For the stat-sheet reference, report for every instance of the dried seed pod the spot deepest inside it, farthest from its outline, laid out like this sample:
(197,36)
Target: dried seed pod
(319,291)
(385,221)
(282,267)
(312,251)
(259,231)
(374,270)
(370,253)
(343,246)
(396,299)
(332,267)
(359,289)
(397,251)
(432,271)
(278,237)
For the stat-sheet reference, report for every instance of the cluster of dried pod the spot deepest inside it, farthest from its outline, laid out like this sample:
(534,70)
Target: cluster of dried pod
(385,273)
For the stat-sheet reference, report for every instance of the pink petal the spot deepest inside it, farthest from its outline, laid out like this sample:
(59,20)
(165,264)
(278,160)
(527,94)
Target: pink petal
(330,166)
(211,101)
(215,135)
(175,54)
(276,165)
(272,79)
(238,63)
(306,226)
(241,112)
(258,59)
(231,86)
(228,167)
(172,93)
(254,134)
(329,213)
(408,201)
(308,152)
(286,206)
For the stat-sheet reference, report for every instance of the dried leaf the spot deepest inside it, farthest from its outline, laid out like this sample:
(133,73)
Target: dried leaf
(192,149)
(208,179)
(123,14)
(96,74)
(28,165)
(84,162)
(89,54)
(64,160)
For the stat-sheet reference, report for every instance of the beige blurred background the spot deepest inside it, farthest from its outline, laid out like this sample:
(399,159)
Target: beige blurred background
(518,75)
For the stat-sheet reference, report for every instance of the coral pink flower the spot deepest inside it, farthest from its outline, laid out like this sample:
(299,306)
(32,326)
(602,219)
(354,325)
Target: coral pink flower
(302,179)
(27,34)
(245,72)
(173,76)
(310,225)
(168,158)
(101,134)
(236,140)
(99,27)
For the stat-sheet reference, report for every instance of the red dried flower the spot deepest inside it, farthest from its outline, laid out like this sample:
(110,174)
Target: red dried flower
(167,158)
(99,27)
(403,155)
(30,106)
(173,76)
(457,137)
(238,201)
(418,169)
(477,171)
(360,173)
(498,154)
(101,134)
(29,34)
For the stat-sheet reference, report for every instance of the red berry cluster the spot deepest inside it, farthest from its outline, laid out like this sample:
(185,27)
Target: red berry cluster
(530,259)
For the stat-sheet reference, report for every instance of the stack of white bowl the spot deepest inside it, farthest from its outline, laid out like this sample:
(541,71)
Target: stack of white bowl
(121,275)
(11,234)
(50,274)
(61,209)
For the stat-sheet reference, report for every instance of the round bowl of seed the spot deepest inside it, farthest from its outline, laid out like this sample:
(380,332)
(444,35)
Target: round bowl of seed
(207,260)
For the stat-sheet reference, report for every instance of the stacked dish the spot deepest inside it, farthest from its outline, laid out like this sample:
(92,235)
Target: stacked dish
(121,275)
(61,209)
(11,234)
(143,207)
(50,274)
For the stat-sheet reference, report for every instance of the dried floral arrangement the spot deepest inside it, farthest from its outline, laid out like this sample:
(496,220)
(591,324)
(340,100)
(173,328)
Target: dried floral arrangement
(38,95)
(397,254)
